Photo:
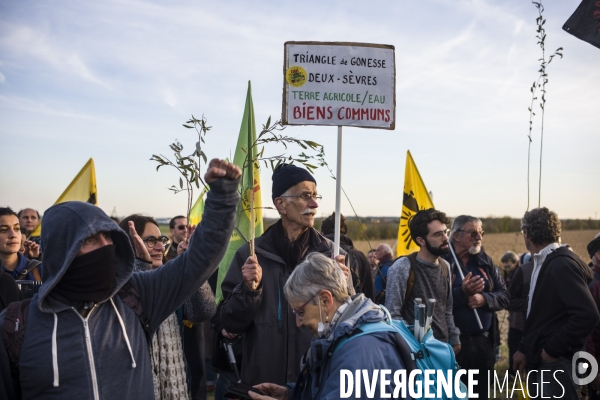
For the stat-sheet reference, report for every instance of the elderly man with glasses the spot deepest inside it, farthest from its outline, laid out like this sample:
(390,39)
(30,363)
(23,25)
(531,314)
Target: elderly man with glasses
(253,287)
(482,290)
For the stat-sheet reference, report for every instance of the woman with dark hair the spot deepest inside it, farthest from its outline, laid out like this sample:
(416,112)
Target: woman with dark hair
(168,363)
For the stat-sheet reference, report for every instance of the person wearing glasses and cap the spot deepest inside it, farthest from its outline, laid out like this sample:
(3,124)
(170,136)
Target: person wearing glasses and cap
(167,349)
(482,290)
(253,287)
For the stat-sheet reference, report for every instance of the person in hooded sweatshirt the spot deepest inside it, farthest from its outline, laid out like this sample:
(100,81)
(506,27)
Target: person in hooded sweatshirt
(82,341)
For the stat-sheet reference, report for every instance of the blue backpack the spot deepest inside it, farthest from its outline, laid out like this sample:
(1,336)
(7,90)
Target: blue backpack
(430,354)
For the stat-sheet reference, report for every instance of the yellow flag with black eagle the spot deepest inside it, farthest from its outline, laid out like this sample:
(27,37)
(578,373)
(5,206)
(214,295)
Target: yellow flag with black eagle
(415,198)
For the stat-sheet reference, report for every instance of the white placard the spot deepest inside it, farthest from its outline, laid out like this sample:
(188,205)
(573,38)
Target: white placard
(339,83)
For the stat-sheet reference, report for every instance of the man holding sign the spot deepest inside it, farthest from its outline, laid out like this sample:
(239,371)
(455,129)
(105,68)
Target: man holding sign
(253,287)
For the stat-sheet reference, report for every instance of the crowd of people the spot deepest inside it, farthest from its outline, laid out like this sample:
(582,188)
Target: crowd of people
(97,308)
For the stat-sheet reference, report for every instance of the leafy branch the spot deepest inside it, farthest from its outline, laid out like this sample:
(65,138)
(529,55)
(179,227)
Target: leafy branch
(539,84)
(187,166)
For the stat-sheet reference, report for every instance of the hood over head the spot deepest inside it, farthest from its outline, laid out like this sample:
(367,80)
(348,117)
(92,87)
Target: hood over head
(64,228)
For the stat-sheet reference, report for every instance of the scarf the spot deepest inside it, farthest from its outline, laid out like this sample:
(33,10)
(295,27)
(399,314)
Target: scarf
(90,277)
(293,252)
(168,366)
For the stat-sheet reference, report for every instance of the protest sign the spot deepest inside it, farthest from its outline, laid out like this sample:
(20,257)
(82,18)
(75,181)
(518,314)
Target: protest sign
(339,84)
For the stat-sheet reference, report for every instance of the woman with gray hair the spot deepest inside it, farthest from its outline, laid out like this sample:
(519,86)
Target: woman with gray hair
(317,292)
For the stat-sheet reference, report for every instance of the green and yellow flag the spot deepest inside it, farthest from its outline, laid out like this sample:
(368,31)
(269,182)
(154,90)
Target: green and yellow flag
(82,188)
(250,184)
(416,198)
(197,209)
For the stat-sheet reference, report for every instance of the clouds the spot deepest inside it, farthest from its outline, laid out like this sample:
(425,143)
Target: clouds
(115,80)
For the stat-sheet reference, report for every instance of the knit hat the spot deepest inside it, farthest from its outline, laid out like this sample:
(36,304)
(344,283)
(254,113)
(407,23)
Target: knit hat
(287,175)
(594,246)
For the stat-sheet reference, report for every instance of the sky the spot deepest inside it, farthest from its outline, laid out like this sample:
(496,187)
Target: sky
(115,80)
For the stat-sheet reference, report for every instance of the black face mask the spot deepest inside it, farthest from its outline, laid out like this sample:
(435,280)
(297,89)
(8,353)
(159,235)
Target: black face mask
(90,277)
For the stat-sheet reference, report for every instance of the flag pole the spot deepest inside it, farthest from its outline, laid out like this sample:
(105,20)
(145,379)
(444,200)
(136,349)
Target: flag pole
(338,194)
(462,278)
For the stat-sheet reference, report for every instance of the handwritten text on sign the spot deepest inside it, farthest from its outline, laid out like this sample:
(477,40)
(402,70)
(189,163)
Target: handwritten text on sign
(349,84)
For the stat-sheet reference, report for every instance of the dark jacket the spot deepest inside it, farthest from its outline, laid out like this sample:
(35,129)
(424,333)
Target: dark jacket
(519,295)
(273,343)
(22,264)
(593,341)
(375,351)
(106,354)
(9,291)
(496,295)
(359,263)
(562,311)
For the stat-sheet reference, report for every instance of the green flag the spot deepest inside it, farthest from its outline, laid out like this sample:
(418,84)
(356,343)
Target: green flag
(250,184)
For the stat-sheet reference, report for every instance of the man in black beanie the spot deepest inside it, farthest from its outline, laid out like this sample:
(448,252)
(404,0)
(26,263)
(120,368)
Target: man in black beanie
(253,287)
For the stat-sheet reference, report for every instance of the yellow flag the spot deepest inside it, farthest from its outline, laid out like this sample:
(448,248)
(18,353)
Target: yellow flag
(416,198)
(197,209)
(82,188)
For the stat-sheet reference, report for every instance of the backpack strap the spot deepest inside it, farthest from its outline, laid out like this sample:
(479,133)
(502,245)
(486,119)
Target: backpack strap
(32,266)
(130,296)
(410,283)
(13,334)
(406,354)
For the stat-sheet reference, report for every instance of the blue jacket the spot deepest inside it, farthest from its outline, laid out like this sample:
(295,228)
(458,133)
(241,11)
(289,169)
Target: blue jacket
(369,352)
(384,266)
(23,261)
(106,354)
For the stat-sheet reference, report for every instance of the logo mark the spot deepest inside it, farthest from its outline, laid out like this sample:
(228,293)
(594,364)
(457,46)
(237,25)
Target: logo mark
(296,76)
(581,368)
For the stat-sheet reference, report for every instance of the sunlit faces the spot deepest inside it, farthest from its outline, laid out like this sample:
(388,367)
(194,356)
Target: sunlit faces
(436,240)
(509,266)
(470,236)
(307,314)
(95,242)
(297,210)
(179,232)
(29,219)
(10,234)
(372,258)
(156,252)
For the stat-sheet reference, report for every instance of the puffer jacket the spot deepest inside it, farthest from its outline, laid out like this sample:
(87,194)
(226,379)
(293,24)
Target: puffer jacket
(375,351)
(105,355)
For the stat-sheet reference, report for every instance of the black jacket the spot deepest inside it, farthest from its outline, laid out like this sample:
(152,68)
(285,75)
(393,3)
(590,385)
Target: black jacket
(359,263)
(562,311)
(273,344)
(496,297)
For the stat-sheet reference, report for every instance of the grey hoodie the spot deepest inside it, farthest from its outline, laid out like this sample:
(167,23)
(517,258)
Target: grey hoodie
(106,355)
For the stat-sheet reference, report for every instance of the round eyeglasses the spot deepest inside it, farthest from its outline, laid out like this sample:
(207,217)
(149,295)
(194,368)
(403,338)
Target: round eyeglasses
(152,240)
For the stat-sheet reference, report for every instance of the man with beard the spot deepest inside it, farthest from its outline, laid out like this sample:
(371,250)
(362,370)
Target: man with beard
(430,276)
(253,287)
(482,290)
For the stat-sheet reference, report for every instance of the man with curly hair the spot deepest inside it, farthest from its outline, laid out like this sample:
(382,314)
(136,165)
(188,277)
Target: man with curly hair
(560,311)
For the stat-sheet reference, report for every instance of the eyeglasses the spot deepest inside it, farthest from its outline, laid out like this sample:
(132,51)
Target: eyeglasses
(300,309)
(151,240)
(181,227)
(473,233)
(440,234)
(307,196)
